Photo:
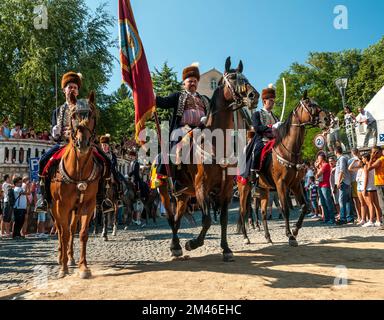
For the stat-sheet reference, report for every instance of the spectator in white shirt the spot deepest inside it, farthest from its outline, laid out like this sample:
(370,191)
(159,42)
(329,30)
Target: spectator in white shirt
(20,207)
(7,211)
(365,117)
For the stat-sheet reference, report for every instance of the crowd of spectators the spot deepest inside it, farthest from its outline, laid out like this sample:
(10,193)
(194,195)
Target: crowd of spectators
(17,132)
(19,213)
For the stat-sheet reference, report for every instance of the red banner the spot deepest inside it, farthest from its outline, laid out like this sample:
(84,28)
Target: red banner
(134,66)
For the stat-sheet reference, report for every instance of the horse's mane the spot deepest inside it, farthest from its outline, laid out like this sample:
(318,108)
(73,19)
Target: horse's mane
(283,130)
(212,103)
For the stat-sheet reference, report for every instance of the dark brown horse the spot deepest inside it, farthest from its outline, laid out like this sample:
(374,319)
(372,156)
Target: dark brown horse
(211,182)
(75,183)
(285,170)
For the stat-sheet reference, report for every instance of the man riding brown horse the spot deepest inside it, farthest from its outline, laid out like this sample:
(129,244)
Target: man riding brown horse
(189,107)
(71,83)
(264,122)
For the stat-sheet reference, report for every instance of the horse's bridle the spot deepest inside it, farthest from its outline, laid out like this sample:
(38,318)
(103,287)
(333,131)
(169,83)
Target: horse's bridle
(237,91)
(313,118)
(78,124)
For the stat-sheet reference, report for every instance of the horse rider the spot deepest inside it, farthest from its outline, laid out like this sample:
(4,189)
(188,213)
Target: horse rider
(264,122)
(189,107)
(71,83)
(107,150)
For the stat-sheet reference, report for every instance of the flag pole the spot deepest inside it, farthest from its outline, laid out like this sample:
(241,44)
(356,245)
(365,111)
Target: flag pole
(168,170)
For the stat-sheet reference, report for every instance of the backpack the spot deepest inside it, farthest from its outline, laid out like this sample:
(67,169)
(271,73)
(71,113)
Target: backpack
(11,197)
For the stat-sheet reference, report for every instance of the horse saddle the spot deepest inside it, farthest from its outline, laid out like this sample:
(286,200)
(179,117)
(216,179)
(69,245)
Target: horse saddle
(53,162)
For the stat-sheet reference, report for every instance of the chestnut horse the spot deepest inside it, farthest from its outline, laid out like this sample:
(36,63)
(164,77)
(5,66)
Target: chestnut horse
(75,183)
(286,170)
(211,182)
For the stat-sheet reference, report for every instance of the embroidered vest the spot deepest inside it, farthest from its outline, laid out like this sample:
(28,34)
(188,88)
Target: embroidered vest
(63,120)
(267,119)
(184,96)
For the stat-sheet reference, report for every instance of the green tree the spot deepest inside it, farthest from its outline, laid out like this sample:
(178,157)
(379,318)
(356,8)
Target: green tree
(76,39)
(165,83)
(117,114)
(370,77)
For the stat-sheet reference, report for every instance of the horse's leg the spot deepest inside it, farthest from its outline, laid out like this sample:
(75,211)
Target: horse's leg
(227,252)
(206,223)
(264,207)
(104,215)
(251,221)
(282,193)
(176,249)
(243,192)
(85,272)
(72,233)
(257,208)
(64,238)
(115,212)
(299,193)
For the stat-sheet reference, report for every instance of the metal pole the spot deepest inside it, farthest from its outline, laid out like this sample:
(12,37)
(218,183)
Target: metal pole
(161,151)
(56,83)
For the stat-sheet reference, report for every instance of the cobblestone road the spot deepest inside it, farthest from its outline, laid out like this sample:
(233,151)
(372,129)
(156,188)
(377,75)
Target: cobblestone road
(21,261)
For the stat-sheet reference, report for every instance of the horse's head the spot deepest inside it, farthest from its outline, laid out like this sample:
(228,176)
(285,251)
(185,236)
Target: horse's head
(309,113)
(83,122)
(237,87)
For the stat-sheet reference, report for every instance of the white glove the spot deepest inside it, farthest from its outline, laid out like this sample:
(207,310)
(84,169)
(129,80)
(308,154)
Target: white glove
(55,131)
(277,124)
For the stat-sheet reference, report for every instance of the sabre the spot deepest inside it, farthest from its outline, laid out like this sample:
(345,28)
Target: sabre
(284,101)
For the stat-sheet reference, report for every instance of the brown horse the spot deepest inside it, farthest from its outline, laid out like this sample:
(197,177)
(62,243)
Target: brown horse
(75,184)
(211,182)
(285,170)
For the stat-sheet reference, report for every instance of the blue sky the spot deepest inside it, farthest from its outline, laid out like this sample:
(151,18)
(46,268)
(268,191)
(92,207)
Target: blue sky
(267,35)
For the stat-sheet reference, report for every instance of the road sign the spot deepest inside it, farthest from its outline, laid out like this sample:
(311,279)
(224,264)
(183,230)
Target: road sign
(34,169)
(381,137)
(319,141)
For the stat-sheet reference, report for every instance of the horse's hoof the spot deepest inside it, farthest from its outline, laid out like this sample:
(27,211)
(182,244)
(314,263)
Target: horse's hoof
(62,274)
(105,238)
(228,257)
(71,263)
(126,228)
(86,274)
(269,241)
(293,243)
(246,241)
(114,234)
(295,232)
(176,253)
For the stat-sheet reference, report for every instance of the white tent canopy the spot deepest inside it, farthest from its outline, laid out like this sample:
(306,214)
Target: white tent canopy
(376,108)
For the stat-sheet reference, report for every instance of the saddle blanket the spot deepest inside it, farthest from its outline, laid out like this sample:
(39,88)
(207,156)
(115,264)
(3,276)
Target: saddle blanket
(59,154)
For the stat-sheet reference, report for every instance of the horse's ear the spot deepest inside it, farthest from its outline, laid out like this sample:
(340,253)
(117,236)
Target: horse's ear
(72,98)
(228,64)
(305,95)
(240,68)
(92,97)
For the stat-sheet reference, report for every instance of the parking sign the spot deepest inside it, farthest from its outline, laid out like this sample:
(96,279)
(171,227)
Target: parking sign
(34,169)
(381,137)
